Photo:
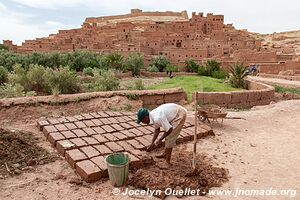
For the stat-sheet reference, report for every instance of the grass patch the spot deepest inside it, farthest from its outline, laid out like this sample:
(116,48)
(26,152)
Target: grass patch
(191,84)
(281,89)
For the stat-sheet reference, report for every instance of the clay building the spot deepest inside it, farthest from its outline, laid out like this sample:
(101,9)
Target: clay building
(172,34)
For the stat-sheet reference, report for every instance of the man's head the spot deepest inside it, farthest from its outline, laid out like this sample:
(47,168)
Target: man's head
(143,116)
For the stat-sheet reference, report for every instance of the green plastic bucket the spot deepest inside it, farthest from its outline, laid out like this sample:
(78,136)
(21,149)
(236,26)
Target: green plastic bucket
(118,167)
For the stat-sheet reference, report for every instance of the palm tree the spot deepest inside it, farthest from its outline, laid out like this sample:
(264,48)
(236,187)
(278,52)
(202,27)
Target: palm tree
(237,75)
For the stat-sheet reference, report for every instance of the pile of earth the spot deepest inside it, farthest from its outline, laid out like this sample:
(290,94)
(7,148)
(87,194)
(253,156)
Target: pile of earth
(19,151)
(179,176)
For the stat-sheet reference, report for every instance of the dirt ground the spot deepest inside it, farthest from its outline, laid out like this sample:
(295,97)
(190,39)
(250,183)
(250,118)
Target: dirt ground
(277,81)
(261,152)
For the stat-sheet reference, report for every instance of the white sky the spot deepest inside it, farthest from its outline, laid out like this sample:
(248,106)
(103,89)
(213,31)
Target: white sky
(29,19)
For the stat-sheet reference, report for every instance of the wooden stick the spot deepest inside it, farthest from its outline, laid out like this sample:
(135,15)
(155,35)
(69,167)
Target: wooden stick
(195,134)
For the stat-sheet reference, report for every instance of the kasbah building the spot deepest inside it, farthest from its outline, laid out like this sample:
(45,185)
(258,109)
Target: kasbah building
(172,34)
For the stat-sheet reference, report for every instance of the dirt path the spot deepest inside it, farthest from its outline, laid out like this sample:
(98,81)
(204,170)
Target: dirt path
(261,152)
(277,81)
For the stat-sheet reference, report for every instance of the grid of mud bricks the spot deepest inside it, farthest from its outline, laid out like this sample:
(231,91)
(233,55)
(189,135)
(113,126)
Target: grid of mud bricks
(84,140)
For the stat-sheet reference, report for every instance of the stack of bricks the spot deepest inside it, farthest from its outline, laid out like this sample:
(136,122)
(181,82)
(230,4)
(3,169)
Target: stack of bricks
(84,140)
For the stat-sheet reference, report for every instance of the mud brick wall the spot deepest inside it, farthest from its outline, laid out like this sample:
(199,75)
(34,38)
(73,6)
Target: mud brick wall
(291,78)
(150,98)
(257,94)
(85,140)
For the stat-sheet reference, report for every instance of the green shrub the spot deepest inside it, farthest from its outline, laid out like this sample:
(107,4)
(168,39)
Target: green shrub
(3,47)
(202,71)
(191,66)
(3,75)
(161,62)
(88,71)
(152,69)
(36,79)
(115,61)
(134,63)
(137,85)
(238,75)
(19,76)
(62,81)
(171,68)
(221,74)
(212,66)
(104,80)
(9,91)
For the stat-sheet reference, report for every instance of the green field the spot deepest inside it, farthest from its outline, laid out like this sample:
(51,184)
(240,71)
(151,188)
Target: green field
(191,84)
(281,89)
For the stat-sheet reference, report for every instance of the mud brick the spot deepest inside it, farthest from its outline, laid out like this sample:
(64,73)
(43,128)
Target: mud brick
(132,117)
(71,119)
(53,121)
(143,141)
(117,114)
(144,130)
(49,129)
(102,149)
(125,145)
(87,116)
(41,124)
(90,140)
(61,127)
(119,135)
(80,124)
(109,113)
(62,120)
(110,137)
(149,128)
(78,142)
(134,124)
(120,119)
(99,130)
(148,137)
(90,151)
(100,162)
(103,114)
(70,126)
(206,127)
(112,120)
(79,132)
(105,121)
(135,163)
(128,119)
(54,137)
(136,132)
(126,125)
(100,138)
(88,123)
(108,128)
(95,115)
(135,144)
(137,153)
(184,136)
(73,156)
(89,131)
(88,171)
(117,127)
(128,134)
(64,145)
(68,134)
(190,131)
(97,122)
(79,117)
(114,146)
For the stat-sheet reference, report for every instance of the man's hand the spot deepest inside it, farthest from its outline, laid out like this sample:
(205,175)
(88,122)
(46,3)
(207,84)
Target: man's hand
(150,147)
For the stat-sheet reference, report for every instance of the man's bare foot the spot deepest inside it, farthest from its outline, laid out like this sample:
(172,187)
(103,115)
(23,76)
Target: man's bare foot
(163,155)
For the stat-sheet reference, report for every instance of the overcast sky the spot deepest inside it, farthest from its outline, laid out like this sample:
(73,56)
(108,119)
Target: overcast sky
(29,19)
